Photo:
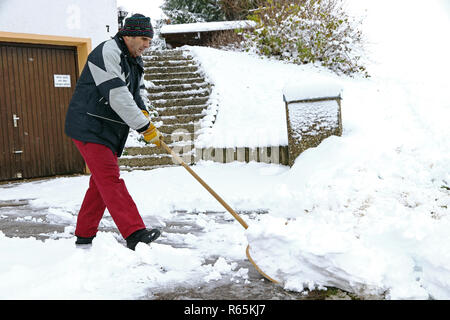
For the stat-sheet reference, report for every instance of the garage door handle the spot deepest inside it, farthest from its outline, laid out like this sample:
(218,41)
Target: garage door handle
(18,151)
(15,118)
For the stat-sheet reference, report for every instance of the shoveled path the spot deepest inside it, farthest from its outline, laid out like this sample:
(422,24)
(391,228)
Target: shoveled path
(19,219)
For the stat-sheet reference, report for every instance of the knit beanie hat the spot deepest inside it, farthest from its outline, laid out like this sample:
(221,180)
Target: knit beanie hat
(137,25)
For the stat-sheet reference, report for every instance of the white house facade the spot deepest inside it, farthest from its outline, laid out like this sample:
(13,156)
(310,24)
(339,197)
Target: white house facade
(94,19)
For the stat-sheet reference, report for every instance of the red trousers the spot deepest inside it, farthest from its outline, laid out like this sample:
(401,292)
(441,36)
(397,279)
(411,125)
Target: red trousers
(106,190)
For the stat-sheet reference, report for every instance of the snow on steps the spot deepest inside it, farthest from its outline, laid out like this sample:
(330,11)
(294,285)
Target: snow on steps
(179,93)
(177,88)
(179,102)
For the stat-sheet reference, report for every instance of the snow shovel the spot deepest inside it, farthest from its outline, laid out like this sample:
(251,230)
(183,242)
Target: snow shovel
(222,202)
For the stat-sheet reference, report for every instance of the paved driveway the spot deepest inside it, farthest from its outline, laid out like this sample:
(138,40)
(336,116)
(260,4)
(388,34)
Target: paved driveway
(19,219)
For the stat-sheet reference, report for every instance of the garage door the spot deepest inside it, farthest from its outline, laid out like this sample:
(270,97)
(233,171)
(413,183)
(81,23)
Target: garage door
(36,84)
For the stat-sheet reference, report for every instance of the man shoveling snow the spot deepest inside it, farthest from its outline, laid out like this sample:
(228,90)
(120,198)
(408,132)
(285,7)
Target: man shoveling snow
(107,102)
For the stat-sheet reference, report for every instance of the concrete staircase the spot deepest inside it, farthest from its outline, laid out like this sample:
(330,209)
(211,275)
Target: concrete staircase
(179,93)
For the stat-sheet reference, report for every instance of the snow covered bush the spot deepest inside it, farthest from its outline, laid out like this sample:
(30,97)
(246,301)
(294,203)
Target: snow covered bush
(158,42)
(307,31)
(190,11)
(225,40)
(238,9)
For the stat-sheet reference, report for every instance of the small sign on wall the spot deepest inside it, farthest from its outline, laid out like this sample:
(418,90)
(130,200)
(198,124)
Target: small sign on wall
(62,80)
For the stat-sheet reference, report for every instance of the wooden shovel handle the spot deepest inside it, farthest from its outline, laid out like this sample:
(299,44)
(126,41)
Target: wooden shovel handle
(218,198)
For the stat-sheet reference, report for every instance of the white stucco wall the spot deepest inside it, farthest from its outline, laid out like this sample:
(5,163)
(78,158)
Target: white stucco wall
(74,18)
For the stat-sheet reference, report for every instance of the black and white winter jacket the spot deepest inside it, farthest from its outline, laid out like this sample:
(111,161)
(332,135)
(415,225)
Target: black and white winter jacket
(109,97)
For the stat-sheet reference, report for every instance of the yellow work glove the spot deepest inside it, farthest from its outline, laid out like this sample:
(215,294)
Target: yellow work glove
(152,135)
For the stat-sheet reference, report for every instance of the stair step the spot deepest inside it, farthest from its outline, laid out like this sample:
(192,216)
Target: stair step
(172,69)
(178,118)
(179,138)
(166,53)
(181,110)
(179,95)
(137,151)
(174,127)
(177,147)
(167,82)
(127,168)
(148,160)
(168,63)
(154,159)
(178,87)
(170,57)
(173,76)
(167,103)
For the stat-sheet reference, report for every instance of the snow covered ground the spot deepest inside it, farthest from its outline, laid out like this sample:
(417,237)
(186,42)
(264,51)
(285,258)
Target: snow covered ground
(367,212)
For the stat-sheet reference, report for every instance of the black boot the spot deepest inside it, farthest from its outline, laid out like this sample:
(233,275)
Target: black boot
(143,235)
(83,240)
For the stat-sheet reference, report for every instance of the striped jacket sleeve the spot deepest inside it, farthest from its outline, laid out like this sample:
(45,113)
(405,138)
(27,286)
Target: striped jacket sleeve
(107,73)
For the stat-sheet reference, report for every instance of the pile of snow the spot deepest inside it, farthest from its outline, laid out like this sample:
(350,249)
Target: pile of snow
(56,269)
(313,118)
(249,93)
(314,88)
